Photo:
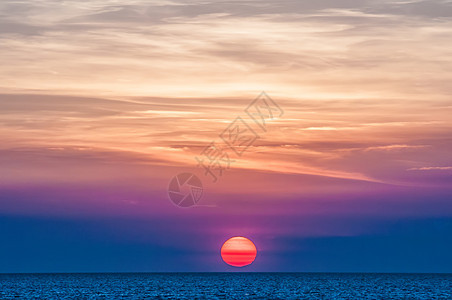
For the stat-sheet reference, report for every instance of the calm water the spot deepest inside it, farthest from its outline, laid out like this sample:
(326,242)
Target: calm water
(226,286)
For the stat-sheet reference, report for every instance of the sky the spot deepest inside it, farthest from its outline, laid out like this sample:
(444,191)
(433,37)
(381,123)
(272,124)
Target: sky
(103,102)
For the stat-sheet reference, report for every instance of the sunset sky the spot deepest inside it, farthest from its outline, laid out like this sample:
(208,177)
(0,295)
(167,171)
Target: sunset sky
(102,102)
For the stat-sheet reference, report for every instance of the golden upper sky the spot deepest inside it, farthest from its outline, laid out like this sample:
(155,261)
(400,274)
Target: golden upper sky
(296,49)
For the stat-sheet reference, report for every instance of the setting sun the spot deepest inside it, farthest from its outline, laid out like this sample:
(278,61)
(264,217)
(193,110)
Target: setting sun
(238,251)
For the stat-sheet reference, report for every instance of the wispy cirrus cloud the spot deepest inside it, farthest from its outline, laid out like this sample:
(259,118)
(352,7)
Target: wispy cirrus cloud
(174,48)
(394,147)
(172,131)
(431,169)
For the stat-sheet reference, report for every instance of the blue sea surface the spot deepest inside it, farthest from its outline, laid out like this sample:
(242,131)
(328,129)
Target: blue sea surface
(226,286)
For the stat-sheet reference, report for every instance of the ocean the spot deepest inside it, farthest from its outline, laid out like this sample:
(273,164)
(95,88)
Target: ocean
(226,286)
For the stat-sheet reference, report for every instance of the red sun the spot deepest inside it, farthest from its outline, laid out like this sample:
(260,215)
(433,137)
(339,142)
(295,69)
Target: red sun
(238,251)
